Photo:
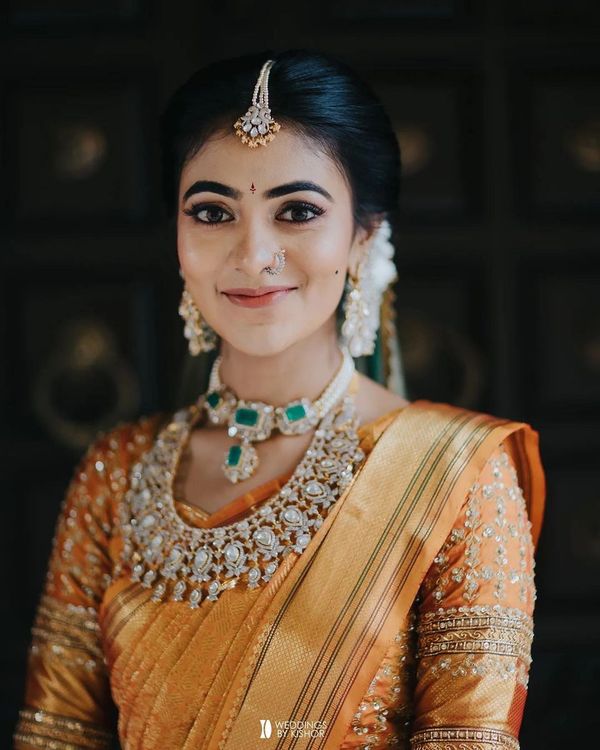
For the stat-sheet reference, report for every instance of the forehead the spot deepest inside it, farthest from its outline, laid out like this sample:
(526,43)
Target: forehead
(289,156)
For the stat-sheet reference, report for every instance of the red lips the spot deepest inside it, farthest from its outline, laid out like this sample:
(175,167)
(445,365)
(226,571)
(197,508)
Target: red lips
(255,292)
(257,297)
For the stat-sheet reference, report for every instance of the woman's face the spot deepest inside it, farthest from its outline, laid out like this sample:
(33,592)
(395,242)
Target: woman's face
(237,207)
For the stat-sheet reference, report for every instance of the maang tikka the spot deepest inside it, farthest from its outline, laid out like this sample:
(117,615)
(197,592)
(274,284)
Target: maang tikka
(257,127)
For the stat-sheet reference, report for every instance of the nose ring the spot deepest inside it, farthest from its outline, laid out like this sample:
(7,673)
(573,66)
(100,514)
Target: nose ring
(279,263)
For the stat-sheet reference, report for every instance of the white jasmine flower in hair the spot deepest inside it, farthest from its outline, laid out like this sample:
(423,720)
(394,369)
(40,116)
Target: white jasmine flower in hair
(380,268)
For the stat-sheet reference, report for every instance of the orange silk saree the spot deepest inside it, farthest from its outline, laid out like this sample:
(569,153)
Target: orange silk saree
(287,664)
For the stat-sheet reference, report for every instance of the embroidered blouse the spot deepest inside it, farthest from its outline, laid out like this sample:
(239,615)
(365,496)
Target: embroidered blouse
(454,676)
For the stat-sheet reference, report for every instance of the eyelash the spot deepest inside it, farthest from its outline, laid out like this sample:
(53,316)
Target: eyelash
(197,207)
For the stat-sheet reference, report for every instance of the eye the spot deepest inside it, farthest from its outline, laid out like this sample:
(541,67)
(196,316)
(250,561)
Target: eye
(299,211)
(211,211)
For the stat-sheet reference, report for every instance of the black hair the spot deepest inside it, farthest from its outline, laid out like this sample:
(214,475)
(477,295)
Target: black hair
(318,96)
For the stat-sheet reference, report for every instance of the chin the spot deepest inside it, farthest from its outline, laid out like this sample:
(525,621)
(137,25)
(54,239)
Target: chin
(261,343)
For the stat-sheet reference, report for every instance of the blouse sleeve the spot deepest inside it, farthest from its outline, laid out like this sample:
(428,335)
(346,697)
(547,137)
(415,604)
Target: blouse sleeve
(475,621)
(67,696)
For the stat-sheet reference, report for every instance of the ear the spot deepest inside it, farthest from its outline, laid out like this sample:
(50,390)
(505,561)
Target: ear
(360,244)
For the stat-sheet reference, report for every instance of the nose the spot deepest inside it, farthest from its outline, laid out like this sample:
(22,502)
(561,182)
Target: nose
(254,250)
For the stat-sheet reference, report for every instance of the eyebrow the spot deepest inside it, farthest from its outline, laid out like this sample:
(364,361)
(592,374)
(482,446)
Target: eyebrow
(290,187)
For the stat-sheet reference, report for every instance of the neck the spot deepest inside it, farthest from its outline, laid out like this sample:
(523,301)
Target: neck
(302,370)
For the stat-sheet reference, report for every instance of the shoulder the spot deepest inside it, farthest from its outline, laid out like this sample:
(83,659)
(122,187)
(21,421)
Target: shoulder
(472,438)
(497,446)
(113,451)
(101,476)
(483,434)
(460,416)
(374,400)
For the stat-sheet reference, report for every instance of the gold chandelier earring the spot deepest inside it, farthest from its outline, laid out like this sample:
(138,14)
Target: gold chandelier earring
(358,336)
(366,287)
(201,337)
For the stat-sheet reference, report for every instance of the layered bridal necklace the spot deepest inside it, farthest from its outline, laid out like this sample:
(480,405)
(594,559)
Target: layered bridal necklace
(180,561)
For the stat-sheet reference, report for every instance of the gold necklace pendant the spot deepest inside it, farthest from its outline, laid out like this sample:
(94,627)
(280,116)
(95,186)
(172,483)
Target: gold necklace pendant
(253,421)
(250,421)
(240,462)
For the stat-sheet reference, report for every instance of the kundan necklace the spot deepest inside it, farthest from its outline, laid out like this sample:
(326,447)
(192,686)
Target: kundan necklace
(250,421)
(177,559)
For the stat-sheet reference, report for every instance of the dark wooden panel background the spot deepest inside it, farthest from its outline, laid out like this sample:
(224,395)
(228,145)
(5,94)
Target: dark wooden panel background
(497,109)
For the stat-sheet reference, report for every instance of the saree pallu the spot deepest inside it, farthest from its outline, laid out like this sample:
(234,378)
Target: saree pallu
(407,621)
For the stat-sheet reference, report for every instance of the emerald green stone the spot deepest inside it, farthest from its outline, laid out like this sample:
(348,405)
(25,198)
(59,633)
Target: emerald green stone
(247,417)
(294,413)
(234,455)
(213,399)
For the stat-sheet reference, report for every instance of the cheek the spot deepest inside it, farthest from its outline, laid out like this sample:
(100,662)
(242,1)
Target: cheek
(320,263)
(198,262)
(323,288)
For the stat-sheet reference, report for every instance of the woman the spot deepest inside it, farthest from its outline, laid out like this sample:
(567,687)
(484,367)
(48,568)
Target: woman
(300,558)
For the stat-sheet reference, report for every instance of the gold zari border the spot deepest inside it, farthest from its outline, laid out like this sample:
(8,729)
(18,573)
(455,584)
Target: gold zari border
(498,633)
(463,738)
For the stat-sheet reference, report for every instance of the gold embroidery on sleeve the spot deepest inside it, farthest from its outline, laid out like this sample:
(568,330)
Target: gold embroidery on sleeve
(78,563)
(55,732)
(486,562)
(477,629)
(478,640)
(88,518)
(504,533)
(462,738)
(65,636)
(67,632)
